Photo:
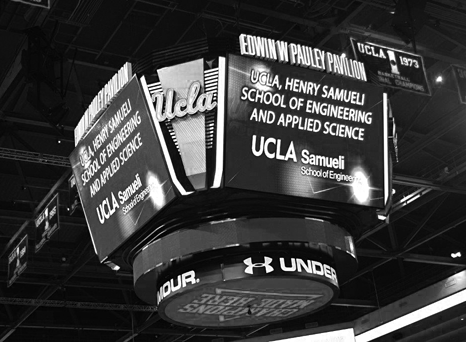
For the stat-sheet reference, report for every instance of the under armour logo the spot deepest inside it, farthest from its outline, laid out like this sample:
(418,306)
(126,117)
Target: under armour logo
(251,266)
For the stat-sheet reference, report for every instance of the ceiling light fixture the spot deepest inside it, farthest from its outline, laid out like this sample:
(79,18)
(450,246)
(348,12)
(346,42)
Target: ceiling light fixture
(114,267)
(456,255)
(439,79)
(413,317)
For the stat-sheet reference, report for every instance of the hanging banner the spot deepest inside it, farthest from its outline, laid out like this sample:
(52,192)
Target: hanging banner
(38,3)
(47,223)
(74,201)
(392,68)
(102,100)
(460,76)
(17,260)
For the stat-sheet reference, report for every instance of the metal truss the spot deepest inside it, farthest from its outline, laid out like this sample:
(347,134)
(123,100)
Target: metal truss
(77,305)
(412,257)
(34,157)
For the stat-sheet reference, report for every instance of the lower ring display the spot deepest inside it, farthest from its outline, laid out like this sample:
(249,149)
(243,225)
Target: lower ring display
(251,289)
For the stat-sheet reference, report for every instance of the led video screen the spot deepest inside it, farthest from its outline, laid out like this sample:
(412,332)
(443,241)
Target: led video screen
(299,132)
(120,171)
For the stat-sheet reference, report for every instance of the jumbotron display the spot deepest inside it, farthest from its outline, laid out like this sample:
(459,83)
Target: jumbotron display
(299,132)
(233,186)
(119,169)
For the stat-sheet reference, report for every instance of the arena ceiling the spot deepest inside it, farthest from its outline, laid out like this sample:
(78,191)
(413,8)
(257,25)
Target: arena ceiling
(66,294)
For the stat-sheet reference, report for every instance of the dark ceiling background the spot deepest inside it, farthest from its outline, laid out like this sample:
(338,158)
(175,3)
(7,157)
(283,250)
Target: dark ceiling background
(65,294)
